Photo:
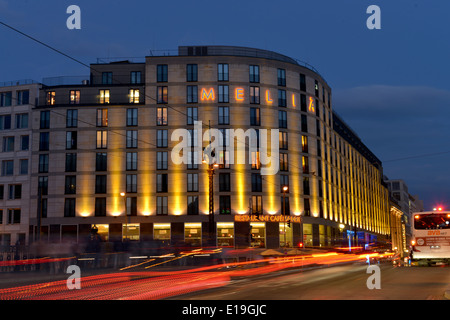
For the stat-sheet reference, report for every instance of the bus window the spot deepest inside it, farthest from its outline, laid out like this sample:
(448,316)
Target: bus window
(431,221)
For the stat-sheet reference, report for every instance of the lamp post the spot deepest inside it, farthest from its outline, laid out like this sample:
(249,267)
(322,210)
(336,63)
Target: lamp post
(211,172)
(285,189)
(123,194)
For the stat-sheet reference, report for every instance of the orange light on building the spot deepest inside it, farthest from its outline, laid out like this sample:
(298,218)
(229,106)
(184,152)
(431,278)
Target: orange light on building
(268,98)
(207,95)
(311,104)
(239,94)
(293,101)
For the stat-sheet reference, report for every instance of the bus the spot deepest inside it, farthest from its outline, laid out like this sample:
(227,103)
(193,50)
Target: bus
(431,237)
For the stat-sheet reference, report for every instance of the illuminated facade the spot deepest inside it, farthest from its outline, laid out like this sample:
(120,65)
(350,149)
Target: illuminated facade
(109,144)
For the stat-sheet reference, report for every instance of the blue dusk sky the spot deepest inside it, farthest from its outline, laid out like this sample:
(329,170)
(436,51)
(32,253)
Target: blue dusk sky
(389,85)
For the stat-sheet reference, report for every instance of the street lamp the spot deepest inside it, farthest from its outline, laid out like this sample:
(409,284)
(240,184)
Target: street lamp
(285,189)
(123,194)
(211,172)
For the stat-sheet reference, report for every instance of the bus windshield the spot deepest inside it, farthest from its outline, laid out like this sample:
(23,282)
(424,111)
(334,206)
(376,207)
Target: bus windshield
(432,221)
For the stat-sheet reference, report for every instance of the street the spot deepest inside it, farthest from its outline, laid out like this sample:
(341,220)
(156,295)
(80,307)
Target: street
(345,282)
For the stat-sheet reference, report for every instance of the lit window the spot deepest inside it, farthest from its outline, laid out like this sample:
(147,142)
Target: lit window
(104,96)
(134,95)
(74,96)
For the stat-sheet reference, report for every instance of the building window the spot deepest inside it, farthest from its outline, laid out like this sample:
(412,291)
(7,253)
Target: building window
(72,118)
(224,204)
(303,103)
(70,185)
(131,183)
(71,140)
(316,88)
(44,143)
(318,128)
(302,82)
(304,144)
(224,182)
(74,97)
(102,139)
(22,121)
(161,116)
(284,182)
(192,205)
(102,117)
(192,182)
(161,205)
(161,160)
(257,207)
(192,160)
(107,78)
(135,77)
(132,139)
(43,185)
(100,207)
(223,94)
(13,216)
(5,122)
(100,184)
(7,167)
(282,98)
(132,117)
(283,140)
(131,204)
(256,182)
(50,99)
(5,99)
(71,162)
(285,208)
(282,119)
(281,77)
(191,94)
(161,139)
(305,164)
(23,166)
(15,191)
(69,207)
(162,182)
(304,123)
(284,165)
(44,120)
(254,74)
(192,115)
(101,163)
(43,163)
(254,95)
(306,189)
(255,118)
(2,191)
(131,163)
(24,143)
(8,144)
(222,72)
(307,208)
(191,73)
(104,96)
(134,95)
(162,73)
(224,115)
(162,94)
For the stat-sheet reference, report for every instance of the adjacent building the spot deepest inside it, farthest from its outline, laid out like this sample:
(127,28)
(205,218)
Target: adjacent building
(17,100)
(104,156)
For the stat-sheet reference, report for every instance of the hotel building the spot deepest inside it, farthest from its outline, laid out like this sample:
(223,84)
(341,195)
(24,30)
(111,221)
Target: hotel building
(103,156)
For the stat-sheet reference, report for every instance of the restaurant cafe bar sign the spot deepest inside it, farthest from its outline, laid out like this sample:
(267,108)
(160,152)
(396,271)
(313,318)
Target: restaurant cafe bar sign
(266,218)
